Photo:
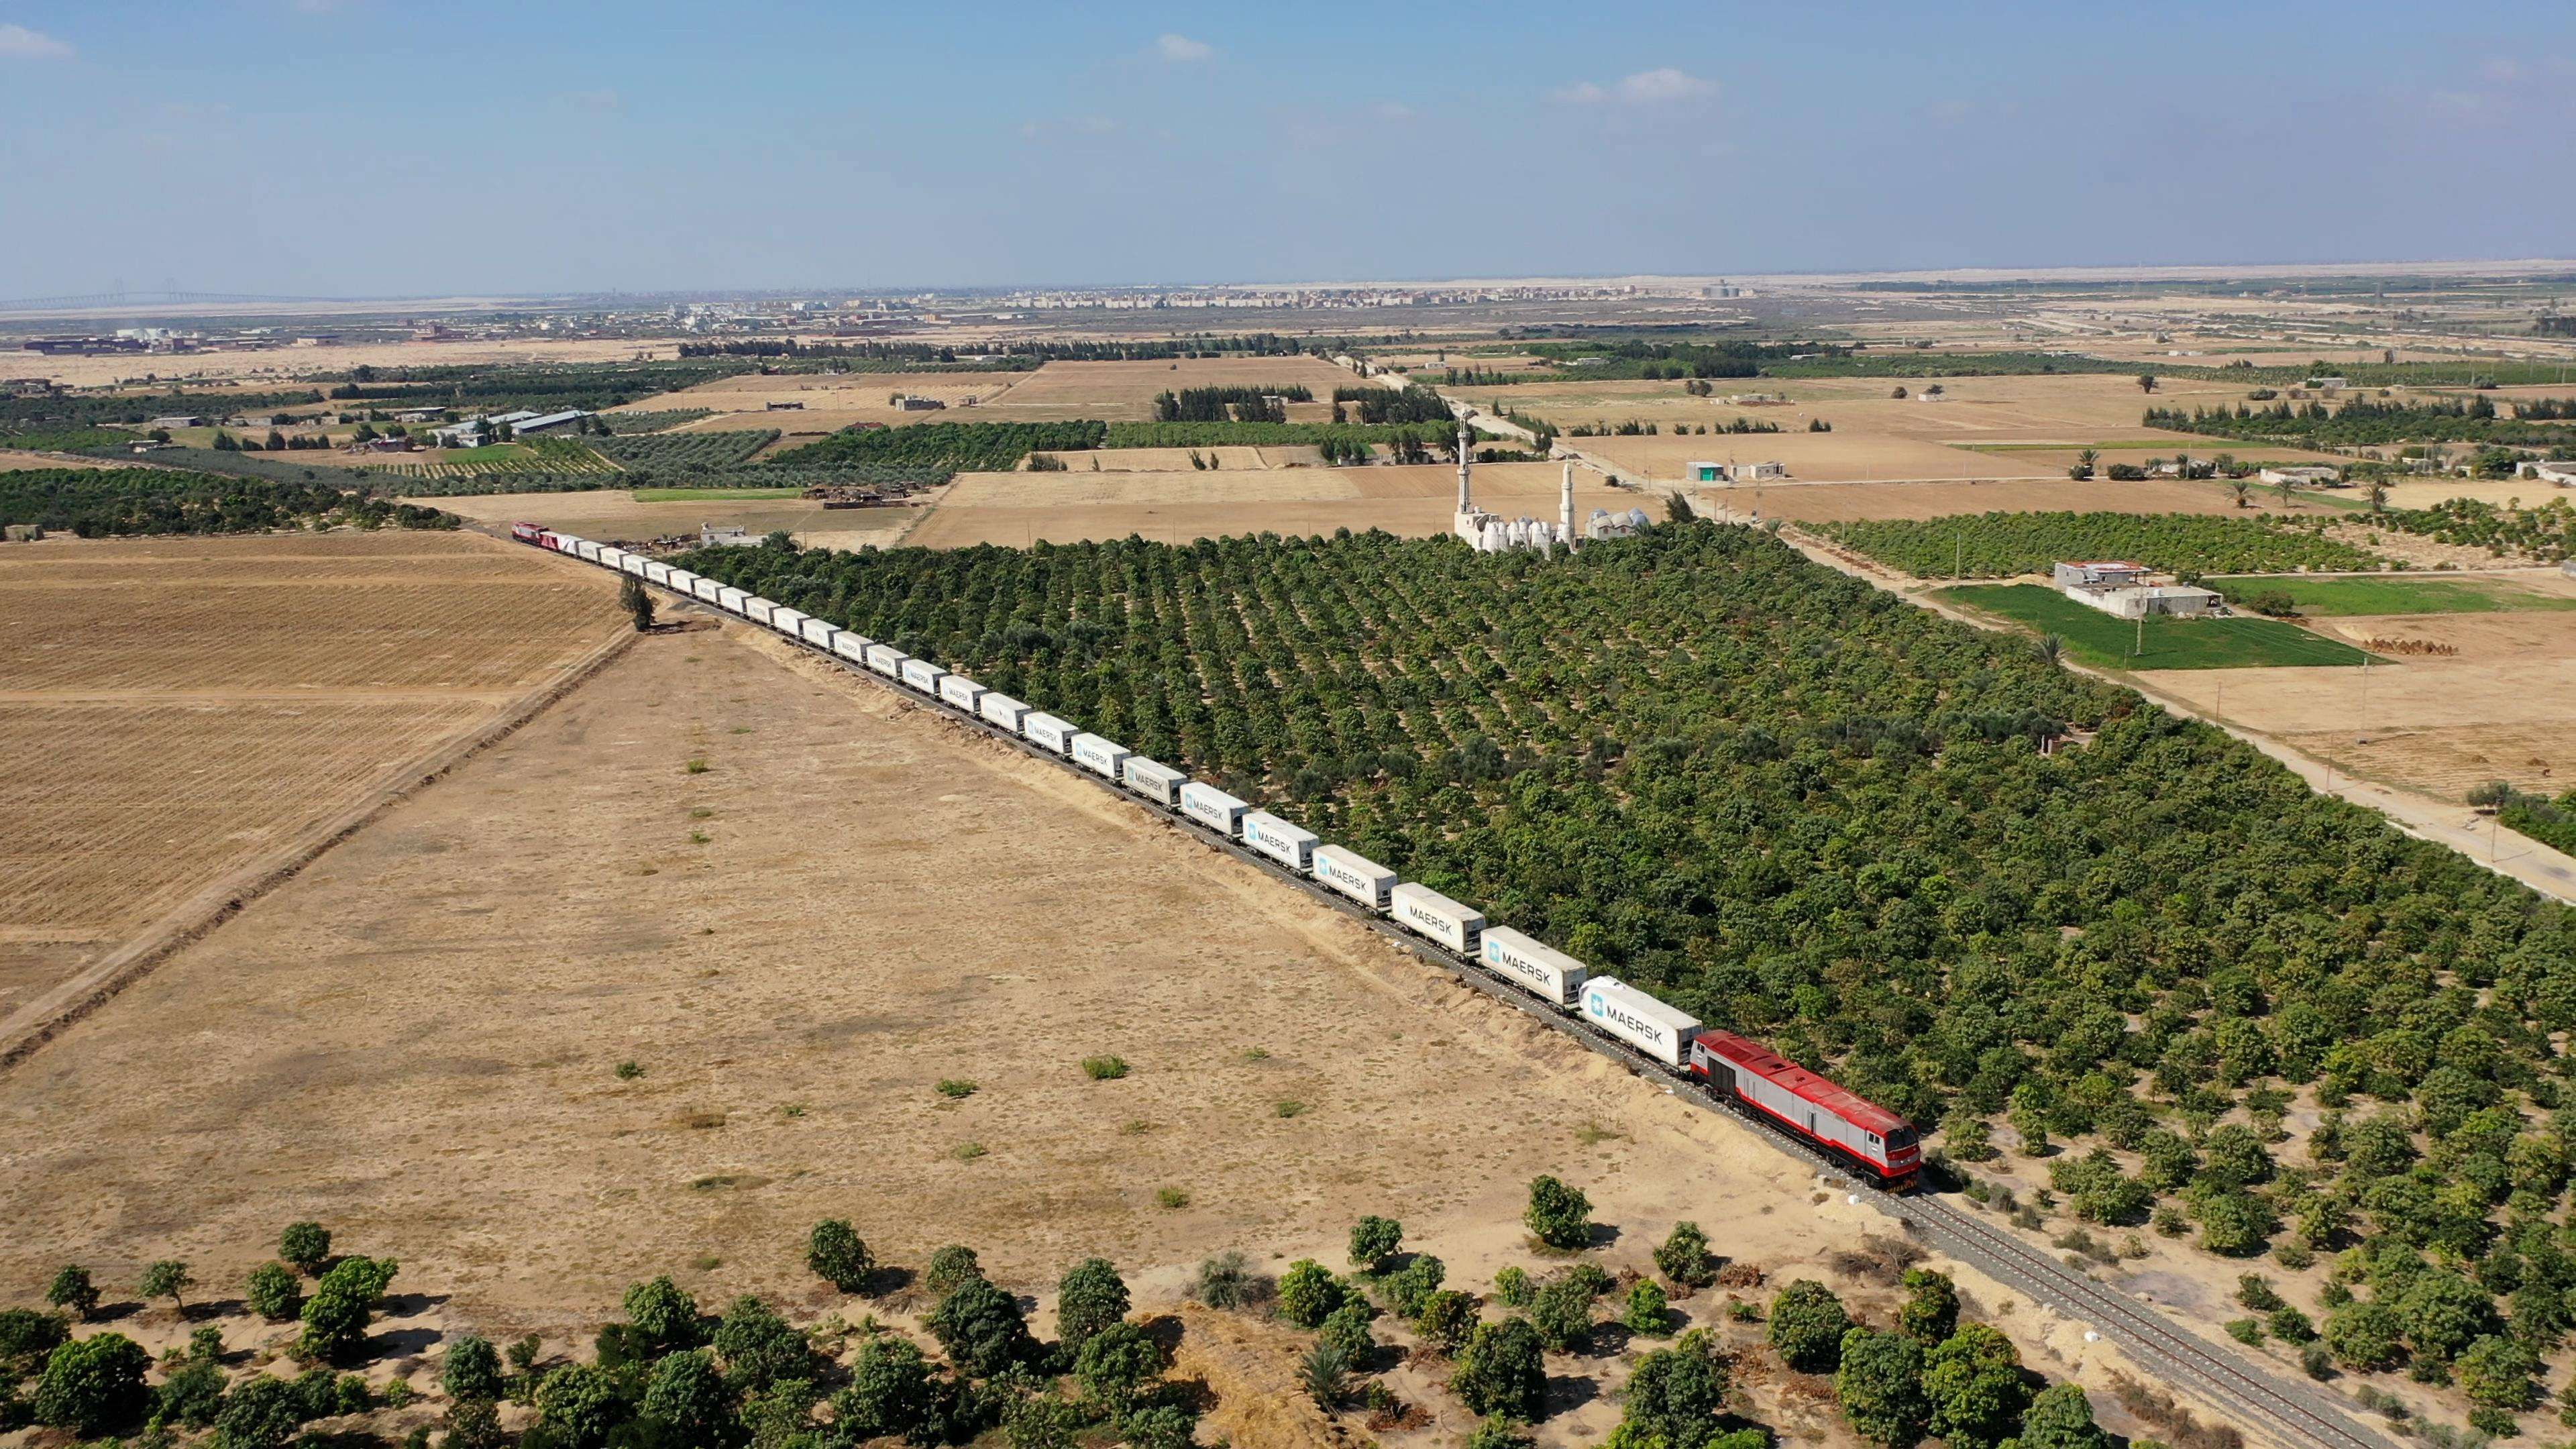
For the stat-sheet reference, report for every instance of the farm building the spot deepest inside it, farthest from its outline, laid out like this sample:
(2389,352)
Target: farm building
(2312,476)
(1735,472)
(22,532)
(2561,471)
(790,406)
(2121,588)
(723,535)
(912,404)
(420,415)
(180,420)
(2101,574)
(547,422)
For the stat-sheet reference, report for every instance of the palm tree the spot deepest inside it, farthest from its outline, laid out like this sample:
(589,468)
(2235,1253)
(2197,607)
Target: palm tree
(2049,648)
(2378,496)
(1325,1373)
(2242,490)
(2086,459)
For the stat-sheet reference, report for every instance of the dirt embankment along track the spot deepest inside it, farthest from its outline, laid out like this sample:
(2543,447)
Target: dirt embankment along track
(198,718)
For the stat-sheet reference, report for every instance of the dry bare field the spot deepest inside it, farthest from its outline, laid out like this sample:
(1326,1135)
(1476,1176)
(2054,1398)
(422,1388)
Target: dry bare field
(1835,502)
(415,1042)
(174,710)
(262,368)
(614,513)
(11,458)
(1124,391)
(1020,508)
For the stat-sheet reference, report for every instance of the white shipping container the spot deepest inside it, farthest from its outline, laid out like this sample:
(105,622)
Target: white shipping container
(1533,965)
(1424,911)
(632,563)
(1157,782)
(787,621)
(1354,875)
(1213,808)
(817,633)
(706,588)
(656,573)
(1002,710)
(1290,845)
(614,558)
(1047,732)
(921,674)
(588,550)
(1099,756)
(756,609)
(730,599)
(1660,1031)
(852,647)
(886,659)
(960,691)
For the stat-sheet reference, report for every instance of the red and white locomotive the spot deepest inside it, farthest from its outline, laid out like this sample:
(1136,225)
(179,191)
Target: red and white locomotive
(1809,1107)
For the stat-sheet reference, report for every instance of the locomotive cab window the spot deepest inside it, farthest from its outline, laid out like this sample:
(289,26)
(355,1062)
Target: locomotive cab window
(1901,1137)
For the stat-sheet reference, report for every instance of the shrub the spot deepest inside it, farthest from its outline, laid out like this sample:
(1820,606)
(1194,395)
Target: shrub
(1408,1287)
(2365,1336)
(1558,1216)
(579,1406)
(664,1317)
(1562,1314)
(1446,1321)
(1684,1258)
(471,1369)
(759,1349)
(2246,1331)
(306,1245)
(259,1413)
(1324,1373)
(1647,1310)
(1676,1394)
(1090,1298)
(73,1292)
(2060,1418)
(950,1269)
(2290,1325)
(1807,1326)
(1308,1293)
(837,1255)
(1116,1363)
(981,1328)
(274,1292)
(26,1336)
(889,1390)
(1226,1280)
(342,1305)
(1930,1313)
(689,1397)
(1513,1287)
(192,1395)
(1502,1370)
(1104,1069)
(955,1089)
(93,1385)
(1974,1385)
(1348,1326)
(1375,1240)
(1880,1384)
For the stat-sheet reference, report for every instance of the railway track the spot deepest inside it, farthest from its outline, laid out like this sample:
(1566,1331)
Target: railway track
(2286,1411)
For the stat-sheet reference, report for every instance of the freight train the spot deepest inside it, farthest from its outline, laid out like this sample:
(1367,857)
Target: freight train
(1759,1082)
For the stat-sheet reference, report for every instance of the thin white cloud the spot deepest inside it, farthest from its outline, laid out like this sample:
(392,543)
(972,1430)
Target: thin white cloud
(17,42)
(1181,50)
(1660,86)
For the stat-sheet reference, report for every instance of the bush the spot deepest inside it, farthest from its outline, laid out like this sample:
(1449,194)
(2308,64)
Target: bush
(981,1328)
(93,1385)
(578,1405)
(1308,1293)
(759,1349)
(1562,1314)
(26,1336)
(1324,1373)
(1975,1387)
(889,1390)
(1930,1313)
(73,1292)
(1226,1280)
(689,1397)
(1648,1311)
(1502,1370)
(274,1292)
(1410,1286)
(836,1254)
(1558,1216)
(1512,1286)
(1090,1298)
(1104,1069)
(950,1269)
(1677,1394)
(664,1317)
(1374,1240)
(1684,1258)
(1446,1321)
(1807,1326)
(260,1412)
(342,1305)
(471,1369)
(192,1395)
(2061,1418)
(2365,1337)
(1116,1363)
(1348,1327)
(1880,1384)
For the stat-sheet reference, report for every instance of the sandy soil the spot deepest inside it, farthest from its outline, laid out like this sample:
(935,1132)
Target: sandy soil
(2502,492)
(1414,501)
(1832,502)
(614,514)
(1124,391)
(11,458)
(1177,460)
(266,366)
(792,988)
(174,709)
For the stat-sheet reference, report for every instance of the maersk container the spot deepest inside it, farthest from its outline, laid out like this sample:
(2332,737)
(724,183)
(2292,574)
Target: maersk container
(886,659)
(1290,845)
(1002,710)
(1213,808)
(1426,912)
(680,579)
(852,647)
(729,598)
(706,588)
(612,558)
(1099,756)
(1660,1031)
(588,551)
(757,609)
(656,573)
(1047,732)
(817,633)
(787,621)
(1157,782)
(960,691)
(632,564)
(1533,965)
(1354,875)
(921,674)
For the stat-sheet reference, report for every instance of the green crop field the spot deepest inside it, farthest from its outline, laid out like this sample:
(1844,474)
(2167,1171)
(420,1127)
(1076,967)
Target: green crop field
(2393,595)
(2096,638)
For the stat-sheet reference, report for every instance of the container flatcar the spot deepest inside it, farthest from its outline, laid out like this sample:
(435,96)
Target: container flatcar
(1214,808)
(885,659)
(921,674)
(1354,875)
(1105,758)
(958,690)
(1426,912)
(1533,965)
(852,647)
(1047,732)
(999,708)
(1154,780)
(1290,845)
(1660,1031)
(818,632)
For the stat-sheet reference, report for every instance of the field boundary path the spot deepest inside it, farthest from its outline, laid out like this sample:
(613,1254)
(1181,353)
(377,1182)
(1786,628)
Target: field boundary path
(46,1016)
(2283,1411)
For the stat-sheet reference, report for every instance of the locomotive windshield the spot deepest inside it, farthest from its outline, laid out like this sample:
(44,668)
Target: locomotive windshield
(1902,1137)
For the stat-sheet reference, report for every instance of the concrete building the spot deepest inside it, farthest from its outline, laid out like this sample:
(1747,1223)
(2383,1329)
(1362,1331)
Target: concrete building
(2561,471)
(722,535)
(2310,475)
(1735,472)
(2122,589)
(2101,574)
(545,422)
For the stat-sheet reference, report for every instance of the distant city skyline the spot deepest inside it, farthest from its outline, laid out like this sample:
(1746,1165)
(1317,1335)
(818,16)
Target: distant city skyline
(359,148)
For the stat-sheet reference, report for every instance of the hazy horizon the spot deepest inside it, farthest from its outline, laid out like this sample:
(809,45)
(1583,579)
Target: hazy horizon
(354,148)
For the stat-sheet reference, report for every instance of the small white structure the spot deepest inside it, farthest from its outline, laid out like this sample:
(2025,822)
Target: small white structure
(2561,471)
(2101,574)
(2122,589)
(1606,524)
(2313,476)
(1492,533)
(723,535)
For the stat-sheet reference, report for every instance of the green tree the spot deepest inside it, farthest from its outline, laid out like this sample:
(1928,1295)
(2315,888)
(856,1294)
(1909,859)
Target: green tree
(1447,1320)
(1324,1373)
(637,601)
(1807,1326)
(26,1336)
(1502,1370)
(663,1315)
(579,1405)
(471,1369)
(889,1390)
(1410,1286)
(1090,1298)
(949,1269)
(689,1396)
(2445,1313)
(92,1385)
(1648,1312)
(260,1412)
(274,1292)
(2146,382)
(2497,1372)
(1116,1363)
(1677,1394)
(1348,1326)
(1930,1313)
(2060,1418)
(1558,1216)
(835,1254)
(2365,1337)
(1375,1240)
(476,1424)
(1562,1313)
(192,1395)
(1684,1258)
(1308,1293)
(759,1349)
(981,1328)
(1880,1384)
(342,1306)
(73,1292)
(307,1246)
(1974,1385)
(169,1279)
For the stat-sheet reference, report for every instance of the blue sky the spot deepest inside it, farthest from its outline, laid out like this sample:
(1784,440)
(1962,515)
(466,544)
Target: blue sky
(374,147)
